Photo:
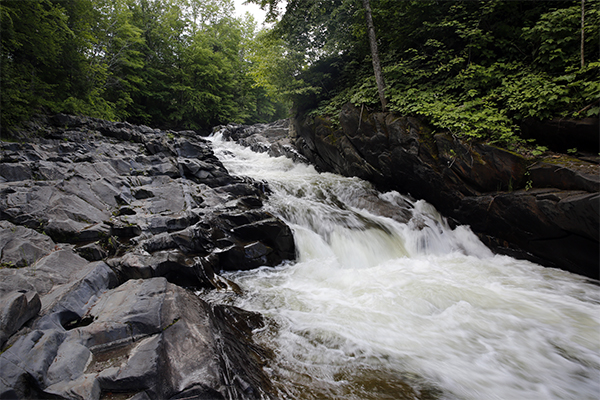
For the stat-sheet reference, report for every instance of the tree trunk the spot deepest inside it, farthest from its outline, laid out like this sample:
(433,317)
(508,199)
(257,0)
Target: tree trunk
(582,33)
(375,55)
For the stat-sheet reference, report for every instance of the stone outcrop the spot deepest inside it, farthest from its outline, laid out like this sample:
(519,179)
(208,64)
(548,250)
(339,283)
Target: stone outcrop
(145,338)
(106,231)
(273,138)
(109,230)
(543,209)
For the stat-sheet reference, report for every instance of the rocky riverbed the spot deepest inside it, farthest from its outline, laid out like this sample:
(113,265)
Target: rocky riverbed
(107,230)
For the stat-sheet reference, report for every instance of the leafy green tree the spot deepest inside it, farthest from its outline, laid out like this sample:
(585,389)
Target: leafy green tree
(101,58)
(33,37)
(476,68)
(162,28)
(115,55)
(276,68)
(171,63)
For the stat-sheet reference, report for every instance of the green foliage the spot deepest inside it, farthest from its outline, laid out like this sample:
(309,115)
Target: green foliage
(475,68)
(539,150)
(171,63)
(196,69)
(32,36)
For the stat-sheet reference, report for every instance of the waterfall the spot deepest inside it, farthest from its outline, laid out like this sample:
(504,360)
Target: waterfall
(387,301)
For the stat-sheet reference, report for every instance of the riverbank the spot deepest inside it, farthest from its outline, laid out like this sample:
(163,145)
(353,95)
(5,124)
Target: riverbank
(388,300)
(108,230)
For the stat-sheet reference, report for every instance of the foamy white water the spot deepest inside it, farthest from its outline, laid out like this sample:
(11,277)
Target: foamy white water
(386,301)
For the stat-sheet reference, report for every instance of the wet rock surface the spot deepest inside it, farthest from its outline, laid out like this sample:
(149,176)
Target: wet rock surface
(273,139)
(106,232)
(545,210)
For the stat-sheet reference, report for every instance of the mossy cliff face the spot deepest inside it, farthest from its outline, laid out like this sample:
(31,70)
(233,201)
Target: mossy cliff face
(543,210)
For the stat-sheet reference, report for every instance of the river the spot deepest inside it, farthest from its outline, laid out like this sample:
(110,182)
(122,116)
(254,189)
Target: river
(387,301)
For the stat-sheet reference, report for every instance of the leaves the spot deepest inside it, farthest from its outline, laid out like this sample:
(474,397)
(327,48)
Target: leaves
(33,34)
(170,63)
(475,68)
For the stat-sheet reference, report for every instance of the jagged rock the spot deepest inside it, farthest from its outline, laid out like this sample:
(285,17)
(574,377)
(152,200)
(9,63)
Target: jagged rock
(16,308)
(20,246)
(92,252)
(15,172)
(84,388)
(250,202)
(125,229)
(243,189)
(25,363)
(71,359)
(486,168)
(248,239)
(70,302)
(333,152)
(57,268)
(271,231)
(274,138)
(565,173)
(98,204)
(172,264)
(145,335)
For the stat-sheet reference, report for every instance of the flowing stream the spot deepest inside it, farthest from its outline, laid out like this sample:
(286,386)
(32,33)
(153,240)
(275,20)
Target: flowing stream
(387,301)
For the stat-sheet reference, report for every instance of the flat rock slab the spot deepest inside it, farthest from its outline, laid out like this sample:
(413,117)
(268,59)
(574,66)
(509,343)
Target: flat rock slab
(21,246)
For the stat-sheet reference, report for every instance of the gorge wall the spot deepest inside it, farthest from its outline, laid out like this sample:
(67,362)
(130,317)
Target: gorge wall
(545,209)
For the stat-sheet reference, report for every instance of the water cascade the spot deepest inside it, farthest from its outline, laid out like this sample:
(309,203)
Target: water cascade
(387,301)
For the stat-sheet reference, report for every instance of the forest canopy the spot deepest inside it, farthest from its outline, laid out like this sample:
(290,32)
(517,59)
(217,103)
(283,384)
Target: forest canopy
(170,63)
(476,68)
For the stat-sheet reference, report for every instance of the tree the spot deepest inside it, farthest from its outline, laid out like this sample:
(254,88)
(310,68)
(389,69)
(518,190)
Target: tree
(325,29)
(375,55)
(170,63)
(476,68)
(582,31)
(33,34)
(116,51)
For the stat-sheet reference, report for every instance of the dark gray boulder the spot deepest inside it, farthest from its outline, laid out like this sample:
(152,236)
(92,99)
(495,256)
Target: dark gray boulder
(273,138)
(146,336)
(16,308)
(21,246)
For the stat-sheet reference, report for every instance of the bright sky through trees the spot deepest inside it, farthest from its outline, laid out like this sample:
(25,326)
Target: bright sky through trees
(254,9)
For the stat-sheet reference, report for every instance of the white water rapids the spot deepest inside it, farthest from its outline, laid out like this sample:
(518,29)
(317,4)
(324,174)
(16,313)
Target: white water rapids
(378,308)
